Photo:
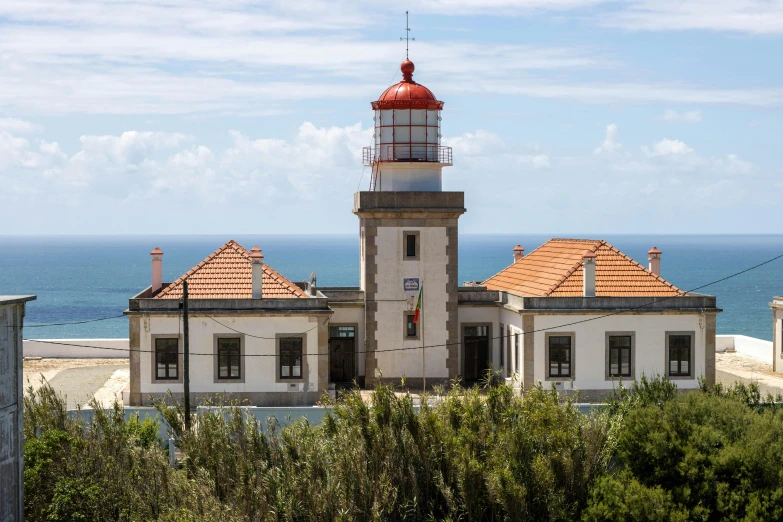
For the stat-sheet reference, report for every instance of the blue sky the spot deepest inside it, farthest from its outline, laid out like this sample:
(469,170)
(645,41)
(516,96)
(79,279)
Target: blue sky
(570,117)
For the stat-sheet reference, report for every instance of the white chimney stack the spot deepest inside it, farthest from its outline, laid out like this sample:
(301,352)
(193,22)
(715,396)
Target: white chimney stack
(257,263)
(588,272)
(157,270)
(655,261)
(519,253)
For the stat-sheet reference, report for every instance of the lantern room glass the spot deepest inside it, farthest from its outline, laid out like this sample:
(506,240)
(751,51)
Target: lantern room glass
(407,134)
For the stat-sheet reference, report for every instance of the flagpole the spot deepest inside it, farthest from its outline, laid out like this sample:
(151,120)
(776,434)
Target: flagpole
(423,358)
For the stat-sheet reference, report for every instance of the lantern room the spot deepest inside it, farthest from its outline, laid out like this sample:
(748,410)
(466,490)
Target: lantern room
(407,151)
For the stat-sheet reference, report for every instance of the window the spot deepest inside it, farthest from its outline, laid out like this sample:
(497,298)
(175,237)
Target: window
(166,359)
(411,328)
(291,358)
(229,356)
(516,351)
(559,356)
(342,331)
(410,245)
(680,355)
(620,355)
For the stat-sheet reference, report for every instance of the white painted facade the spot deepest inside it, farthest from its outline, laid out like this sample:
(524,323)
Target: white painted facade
(648,356)
(590,344)
(392,269)
(259,371)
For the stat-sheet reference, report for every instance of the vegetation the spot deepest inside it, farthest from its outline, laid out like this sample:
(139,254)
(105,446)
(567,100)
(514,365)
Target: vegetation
(489,454)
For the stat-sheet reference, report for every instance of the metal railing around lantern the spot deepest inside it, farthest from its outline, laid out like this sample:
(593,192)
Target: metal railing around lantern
(406,152)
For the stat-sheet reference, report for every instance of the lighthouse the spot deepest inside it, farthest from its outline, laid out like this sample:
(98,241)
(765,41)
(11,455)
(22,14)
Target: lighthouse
(409,241)
(407,155)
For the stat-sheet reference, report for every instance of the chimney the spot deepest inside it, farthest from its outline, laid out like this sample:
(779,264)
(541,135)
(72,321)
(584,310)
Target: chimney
(588,273)
(655,261)
(257,264)
(519,253)
(157,270)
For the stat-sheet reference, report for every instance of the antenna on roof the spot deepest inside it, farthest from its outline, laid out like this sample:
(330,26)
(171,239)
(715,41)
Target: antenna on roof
(407,35)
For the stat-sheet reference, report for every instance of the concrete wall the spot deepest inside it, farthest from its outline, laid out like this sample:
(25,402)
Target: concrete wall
(33,348)
(11,438)
(649,355)
(756,348)
(259,373)
(430,268)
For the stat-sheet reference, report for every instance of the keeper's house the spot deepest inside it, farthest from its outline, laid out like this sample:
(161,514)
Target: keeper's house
(574,313)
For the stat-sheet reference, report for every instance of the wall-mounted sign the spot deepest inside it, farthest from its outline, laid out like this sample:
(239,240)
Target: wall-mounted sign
(411,284)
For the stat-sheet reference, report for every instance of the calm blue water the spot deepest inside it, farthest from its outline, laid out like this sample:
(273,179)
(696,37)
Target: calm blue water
(81,277)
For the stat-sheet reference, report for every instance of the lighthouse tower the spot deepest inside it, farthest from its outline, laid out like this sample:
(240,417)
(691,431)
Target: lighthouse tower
(408,229)
(407,153)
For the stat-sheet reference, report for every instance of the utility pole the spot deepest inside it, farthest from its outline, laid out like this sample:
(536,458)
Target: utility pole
(186,355)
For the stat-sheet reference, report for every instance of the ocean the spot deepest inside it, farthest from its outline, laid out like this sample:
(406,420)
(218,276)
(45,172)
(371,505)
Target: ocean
(78,278)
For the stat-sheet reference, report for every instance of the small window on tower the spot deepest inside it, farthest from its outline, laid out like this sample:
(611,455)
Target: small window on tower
(410,245)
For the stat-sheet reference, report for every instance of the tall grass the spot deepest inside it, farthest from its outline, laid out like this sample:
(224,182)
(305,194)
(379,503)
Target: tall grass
(476,454)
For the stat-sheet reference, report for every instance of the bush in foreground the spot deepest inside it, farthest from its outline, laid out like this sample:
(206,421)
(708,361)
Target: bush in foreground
(478,455)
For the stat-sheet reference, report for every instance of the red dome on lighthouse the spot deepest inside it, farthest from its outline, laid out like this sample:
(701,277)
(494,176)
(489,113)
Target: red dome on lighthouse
(407,94)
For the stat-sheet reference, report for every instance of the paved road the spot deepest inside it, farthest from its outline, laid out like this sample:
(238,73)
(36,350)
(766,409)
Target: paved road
(80,384)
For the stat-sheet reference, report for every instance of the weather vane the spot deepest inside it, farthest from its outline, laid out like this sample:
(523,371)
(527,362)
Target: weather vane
(407,35)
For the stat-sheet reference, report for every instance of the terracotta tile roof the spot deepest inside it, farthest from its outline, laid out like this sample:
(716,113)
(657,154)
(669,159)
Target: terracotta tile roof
(555,270)
(227,274)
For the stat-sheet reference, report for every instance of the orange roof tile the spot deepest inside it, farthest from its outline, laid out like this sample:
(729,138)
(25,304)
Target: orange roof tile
(227,274)
(555,270)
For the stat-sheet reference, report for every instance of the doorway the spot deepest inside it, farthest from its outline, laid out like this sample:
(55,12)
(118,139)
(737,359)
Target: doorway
(475,339)
(342,354)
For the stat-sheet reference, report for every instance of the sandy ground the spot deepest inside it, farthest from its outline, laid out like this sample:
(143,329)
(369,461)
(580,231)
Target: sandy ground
(735,367)
(79,379)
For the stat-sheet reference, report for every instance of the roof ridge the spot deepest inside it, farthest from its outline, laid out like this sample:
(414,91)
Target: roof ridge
(635,262)
(575,267)
(210,257)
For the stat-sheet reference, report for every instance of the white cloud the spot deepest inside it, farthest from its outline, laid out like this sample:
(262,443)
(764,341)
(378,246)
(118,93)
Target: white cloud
(488,149)
(667,147)
(689,116)
(745,16)
(140,181)
(17,126)
(610,143)
(139,58)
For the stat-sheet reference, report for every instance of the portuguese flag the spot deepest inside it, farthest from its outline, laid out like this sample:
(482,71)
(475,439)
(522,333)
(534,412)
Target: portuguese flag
(418,305)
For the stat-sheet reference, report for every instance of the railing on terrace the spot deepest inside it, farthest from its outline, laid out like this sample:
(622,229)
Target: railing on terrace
(407,152)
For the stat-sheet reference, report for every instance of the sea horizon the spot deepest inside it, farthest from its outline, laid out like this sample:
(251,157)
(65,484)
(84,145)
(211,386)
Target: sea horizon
(81,277)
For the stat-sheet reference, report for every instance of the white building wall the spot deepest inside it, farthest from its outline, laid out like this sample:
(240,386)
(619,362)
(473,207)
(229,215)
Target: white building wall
(512,322)
(352,316)
(392,269)
(590,346)
(260,372)
(777,335)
